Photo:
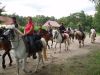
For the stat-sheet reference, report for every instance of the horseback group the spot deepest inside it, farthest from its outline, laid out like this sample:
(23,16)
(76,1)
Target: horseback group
(35,42)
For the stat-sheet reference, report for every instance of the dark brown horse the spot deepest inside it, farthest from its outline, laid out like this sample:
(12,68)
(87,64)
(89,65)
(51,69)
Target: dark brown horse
(5,45)
(47,35)
(80,36)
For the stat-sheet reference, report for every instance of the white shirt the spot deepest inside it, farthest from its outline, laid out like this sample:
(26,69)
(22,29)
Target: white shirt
(93,31)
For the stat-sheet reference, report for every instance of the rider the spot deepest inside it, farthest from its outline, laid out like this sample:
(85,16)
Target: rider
(62,29)
(15,22)
(93,31)
(81,29)
(28,33)
(50,28)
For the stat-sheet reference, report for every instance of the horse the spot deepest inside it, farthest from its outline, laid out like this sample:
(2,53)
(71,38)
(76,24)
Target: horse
(5,45)
(47,35)
(92,35)
(58,39)
(71,33)
(80,36)
(20,50)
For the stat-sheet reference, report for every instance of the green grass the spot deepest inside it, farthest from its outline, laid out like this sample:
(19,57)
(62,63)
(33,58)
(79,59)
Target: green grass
(98,33)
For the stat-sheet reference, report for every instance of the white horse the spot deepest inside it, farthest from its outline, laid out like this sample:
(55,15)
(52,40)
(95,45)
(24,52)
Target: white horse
(58,39)
(20,50)
(92,35)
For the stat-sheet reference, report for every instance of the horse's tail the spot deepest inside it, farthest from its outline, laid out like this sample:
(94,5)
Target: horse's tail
(44,48)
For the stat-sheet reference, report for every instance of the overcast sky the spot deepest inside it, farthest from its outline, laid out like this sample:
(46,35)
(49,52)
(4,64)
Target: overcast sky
(56,8)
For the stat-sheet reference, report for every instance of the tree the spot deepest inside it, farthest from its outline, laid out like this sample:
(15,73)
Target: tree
(96,19)
(40,19)
(1,9)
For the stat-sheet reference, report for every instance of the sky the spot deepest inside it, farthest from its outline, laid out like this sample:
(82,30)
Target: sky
(56,8)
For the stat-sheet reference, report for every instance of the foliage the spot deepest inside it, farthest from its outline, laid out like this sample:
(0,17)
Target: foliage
(2,9)
(36,28)
(96,20)
(77,18)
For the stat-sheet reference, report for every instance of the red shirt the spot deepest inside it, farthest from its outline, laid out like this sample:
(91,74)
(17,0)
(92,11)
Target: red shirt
(28,27)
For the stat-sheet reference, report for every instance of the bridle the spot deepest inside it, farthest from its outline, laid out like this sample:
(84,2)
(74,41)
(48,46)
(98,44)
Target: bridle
(56,34)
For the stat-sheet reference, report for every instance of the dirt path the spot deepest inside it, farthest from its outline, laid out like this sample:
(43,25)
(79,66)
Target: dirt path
(57,58)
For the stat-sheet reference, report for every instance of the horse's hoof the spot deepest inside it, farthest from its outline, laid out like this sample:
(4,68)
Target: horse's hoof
(4,66)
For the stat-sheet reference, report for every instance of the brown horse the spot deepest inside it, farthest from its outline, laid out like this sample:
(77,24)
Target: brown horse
(5,44)
(48,36)
(80,36)
(71,34)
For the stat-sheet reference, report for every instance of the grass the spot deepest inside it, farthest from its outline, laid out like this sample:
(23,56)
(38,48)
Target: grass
(78,65)
(98,33)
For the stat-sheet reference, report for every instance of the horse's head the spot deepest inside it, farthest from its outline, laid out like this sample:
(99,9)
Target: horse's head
(9,32)
(55,34)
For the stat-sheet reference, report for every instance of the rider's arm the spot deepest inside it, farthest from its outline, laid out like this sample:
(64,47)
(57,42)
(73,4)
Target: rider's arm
(19,31)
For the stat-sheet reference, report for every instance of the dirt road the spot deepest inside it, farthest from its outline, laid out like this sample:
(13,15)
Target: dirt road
(53,58)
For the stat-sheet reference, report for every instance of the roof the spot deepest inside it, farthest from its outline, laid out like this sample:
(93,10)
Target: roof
(6,20)
(52,23)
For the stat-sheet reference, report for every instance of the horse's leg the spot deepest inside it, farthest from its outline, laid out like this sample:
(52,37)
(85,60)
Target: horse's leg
(60,48)
(73,38)
(83,42)
(52,43)
(39,59)
(65,46)
(48,45)
(17,61)
(91,39)
(3,60)
(42,58)
(79,43)
(24,66)
(10,64)
(45,53)
(55,47)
